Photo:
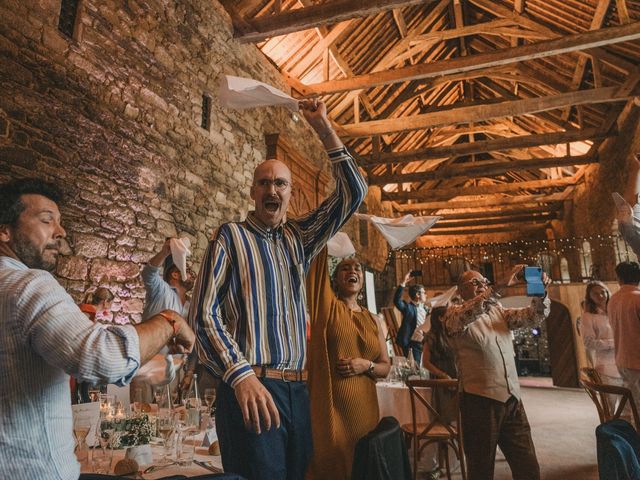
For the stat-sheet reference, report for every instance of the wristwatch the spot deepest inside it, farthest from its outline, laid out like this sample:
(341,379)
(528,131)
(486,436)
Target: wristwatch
(371,367)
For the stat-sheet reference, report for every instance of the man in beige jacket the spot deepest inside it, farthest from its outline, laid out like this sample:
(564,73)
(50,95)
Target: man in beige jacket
(490,405)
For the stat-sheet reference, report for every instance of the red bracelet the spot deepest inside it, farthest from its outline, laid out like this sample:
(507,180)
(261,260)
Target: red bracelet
(172,322)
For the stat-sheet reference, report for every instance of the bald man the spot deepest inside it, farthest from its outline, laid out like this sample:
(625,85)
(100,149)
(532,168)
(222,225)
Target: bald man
(492,413)
(248,312)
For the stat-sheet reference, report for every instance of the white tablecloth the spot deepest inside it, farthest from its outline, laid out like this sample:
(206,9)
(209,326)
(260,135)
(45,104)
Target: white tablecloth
(394,400)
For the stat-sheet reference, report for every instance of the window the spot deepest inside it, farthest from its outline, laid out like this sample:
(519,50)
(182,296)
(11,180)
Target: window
(68,16)
(585,260)
(205,121)
(565,276)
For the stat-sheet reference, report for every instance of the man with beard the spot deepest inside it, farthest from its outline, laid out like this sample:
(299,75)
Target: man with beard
(46,338)
(249,313)
(165,290)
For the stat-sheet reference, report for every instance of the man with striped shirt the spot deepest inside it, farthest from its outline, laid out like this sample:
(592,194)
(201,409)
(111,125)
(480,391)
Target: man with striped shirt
(248,312)
(46,338)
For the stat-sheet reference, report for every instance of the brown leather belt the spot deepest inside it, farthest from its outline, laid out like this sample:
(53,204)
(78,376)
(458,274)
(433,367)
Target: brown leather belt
(283,374)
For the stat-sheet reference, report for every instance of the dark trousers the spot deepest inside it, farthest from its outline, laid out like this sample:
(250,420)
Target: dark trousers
(281,454)
(416,351)
(487,423)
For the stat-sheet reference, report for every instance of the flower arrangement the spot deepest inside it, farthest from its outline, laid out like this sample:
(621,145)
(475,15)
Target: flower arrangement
(129,432)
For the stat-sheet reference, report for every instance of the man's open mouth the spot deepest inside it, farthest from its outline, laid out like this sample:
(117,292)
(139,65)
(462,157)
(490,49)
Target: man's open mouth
(271,206)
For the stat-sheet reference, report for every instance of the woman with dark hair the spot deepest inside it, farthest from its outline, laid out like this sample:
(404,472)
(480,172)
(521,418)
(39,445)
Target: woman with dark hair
(438,358)
(347,352)
(597,333)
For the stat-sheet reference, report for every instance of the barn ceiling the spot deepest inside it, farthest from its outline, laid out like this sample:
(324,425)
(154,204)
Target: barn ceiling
(485,111)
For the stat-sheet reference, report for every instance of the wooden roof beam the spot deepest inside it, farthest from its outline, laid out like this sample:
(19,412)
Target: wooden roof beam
(613,60)
(484,146)
(477,231)
(327,13)
(480,203)
(442,224)
(483,168)
(501,212)
(447,193)
(547,48)
(483,112)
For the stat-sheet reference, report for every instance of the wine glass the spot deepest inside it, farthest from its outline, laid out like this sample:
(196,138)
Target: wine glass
(81,428)
(209,397)
(166,427)
(101,457)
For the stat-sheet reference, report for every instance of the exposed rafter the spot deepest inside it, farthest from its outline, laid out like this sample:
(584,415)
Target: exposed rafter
(488,168)
(327,13)
(485,202)
(480,113)
(446,193)
(524,141)
(570,43)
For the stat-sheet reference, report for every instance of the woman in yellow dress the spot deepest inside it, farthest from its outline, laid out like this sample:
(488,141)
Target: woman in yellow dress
(347,353)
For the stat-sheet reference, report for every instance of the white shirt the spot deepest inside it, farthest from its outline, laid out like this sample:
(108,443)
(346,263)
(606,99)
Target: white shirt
(421,327)
(45,338)
(598,339)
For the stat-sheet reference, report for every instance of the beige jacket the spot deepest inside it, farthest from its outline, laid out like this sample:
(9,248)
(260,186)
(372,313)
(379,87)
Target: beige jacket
(480,335)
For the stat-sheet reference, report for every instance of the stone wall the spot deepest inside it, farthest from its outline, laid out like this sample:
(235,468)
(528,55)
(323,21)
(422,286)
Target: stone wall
(114,115)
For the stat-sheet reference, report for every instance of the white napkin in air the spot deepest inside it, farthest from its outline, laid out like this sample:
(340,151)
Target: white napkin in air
(179,253)
(340,245)
(400,231)
(241,93)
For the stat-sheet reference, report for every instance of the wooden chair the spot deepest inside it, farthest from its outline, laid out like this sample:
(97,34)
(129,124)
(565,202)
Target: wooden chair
(601,394)
(392,329)
(440,431)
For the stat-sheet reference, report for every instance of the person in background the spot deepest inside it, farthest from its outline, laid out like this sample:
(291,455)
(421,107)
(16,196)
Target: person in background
(437,355)
(439,360)
(46,338)
(249,312)
(414,318)
(165,290)
(491,410)
(97,304)
(597,333)
(624,316)
(347,353)
(98,301)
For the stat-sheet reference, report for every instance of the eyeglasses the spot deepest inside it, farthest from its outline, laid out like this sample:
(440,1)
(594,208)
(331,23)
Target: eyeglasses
(476,282)
(279,184)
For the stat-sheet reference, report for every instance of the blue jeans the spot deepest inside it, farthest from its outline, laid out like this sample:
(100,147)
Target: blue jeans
(281,454)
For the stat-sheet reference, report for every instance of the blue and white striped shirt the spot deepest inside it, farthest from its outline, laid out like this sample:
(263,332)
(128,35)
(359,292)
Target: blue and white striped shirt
(249,302)
(44,335)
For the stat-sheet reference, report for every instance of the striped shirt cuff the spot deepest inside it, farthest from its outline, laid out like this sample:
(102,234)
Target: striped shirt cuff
(337,155)
(237,373)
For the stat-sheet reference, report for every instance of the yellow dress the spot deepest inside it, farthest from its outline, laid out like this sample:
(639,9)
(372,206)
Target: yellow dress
(343,409)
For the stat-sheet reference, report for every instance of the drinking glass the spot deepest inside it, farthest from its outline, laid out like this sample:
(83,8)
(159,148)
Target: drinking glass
(186,428)
(166,427)
(209,398)
(136,399)
(81,428)
(101,457)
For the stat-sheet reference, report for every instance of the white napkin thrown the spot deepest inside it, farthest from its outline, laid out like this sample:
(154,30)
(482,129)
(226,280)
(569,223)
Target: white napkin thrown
(400,231)
(241,93)
(180,250)
(340,245)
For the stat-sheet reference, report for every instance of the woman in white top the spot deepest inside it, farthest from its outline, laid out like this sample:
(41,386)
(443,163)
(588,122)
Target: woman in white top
(597,333)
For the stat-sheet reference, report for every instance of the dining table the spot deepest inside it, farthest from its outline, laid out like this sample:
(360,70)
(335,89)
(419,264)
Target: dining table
(203,462)
(394,400)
